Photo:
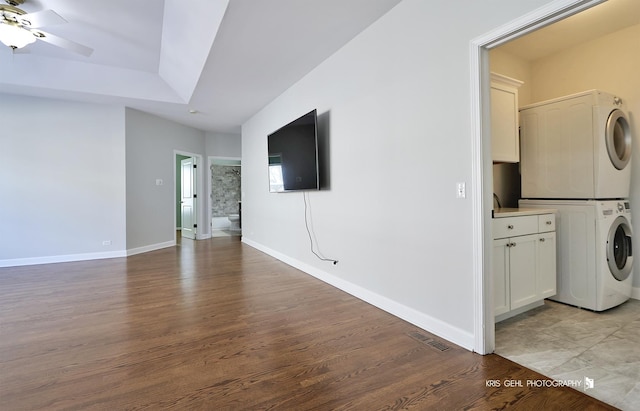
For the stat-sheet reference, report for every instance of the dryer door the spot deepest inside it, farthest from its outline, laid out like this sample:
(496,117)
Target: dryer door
(618,139)
(619,254)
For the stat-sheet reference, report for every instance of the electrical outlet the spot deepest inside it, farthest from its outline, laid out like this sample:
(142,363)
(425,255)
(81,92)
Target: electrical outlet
(461,190)
(106,242)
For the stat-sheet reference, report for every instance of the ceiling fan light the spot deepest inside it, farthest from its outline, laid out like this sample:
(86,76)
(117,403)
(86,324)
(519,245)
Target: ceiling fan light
(14,36)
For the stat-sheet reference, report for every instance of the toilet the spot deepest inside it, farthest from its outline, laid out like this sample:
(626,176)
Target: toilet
(235,222)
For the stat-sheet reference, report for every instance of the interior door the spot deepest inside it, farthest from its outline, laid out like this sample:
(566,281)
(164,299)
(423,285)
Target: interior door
(188,197)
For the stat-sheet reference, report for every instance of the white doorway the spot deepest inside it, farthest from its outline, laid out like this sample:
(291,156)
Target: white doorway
(484,324)
(187,199)
(225,185)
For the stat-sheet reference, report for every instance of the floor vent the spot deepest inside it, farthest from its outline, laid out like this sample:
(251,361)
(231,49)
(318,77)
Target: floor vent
(423,338)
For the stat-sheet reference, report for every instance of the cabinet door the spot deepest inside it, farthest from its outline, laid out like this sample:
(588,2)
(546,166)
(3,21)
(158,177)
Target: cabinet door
(500,276)
(523,269)
(505,145)
(546,265)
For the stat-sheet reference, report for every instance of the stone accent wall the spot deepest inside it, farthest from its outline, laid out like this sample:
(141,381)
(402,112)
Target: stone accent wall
(225,190)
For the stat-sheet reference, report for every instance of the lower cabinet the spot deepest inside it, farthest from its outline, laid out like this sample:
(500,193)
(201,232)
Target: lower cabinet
(546,265)
(501,270)
(524,265)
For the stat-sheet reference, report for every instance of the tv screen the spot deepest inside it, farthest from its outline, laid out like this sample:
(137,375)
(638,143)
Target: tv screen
(293,155)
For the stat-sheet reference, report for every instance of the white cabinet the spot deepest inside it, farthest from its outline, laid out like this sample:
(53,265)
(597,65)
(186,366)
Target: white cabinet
(547,264)
(524,262)
(501,270)
(505,142)
(523,270)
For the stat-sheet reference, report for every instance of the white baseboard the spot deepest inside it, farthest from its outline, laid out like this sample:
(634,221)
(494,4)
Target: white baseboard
(152,247)
(15,262)
(519,311)
(417,318)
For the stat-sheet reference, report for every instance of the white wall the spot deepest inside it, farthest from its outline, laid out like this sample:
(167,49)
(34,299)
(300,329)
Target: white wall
(62,179)
(82,180)
(515,67)
(151,145)
(396,105)
(223,145)
(607,63)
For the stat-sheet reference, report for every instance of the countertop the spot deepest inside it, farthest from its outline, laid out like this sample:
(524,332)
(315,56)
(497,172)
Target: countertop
(515,212)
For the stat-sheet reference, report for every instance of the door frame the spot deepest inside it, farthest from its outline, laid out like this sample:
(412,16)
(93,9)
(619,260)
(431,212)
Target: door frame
(201,233)
(211,159)
(482,171)
(188,167)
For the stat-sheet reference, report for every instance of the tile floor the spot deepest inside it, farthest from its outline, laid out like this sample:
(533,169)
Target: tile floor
(225,233)
(568,343)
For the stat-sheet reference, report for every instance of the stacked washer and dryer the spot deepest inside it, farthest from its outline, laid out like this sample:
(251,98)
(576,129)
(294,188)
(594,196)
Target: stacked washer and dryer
(576,158)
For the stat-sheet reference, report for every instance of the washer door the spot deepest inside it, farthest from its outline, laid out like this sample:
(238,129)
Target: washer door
(618,139)
(619,254)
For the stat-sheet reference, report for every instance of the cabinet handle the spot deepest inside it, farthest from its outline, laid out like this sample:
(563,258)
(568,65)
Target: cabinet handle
(510,226)
(513,244)
(542,240)
(548,222)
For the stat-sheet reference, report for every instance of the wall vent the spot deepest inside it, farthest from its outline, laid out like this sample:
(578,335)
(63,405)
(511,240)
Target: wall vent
(425,339)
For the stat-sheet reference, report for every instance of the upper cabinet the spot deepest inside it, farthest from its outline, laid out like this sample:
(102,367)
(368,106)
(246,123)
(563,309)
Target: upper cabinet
(505,144)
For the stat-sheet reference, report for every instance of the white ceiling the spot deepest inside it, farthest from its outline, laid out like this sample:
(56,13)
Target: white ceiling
(224,58)
(598,21)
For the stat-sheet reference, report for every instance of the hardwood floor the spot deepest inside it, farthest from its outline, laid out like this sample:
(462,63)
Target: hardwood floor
(218,325)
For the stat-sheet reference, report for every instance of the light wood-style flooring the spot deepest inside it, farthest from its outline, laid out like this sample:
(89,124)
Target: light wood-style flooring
(218,325)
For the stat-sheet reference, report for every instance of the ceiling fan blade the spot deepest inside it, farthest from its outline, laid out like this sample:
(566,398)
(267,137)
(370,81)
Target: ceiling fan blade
(63,43)
(21,51)
(14,52)
(40,19)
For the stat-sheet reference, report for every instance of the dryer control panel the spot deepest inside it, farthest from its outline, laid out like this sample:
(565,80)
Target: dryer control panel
(610,208)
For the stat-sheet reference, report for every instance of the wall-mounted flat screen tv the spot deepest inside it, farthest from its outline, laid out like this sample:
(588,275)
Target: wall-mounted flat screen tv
(293,155)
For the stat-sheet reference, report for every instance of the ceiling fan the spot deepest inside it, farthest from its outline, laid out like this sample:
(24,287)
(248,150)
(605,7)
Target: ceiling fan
(19,28)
